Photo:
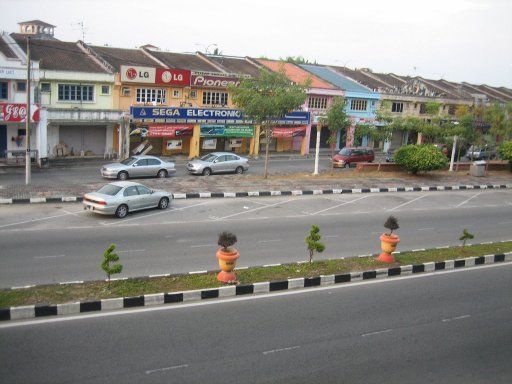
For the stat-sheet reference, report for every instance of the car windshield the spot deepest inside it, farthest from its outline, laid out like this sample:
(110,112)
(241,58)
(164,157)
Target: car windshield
(129,161)
(345,151)
(109,189)
(209,157)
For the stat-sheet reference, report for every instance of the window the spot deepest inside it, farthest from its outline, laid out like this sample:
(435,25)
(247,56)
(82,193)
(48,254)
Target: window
(105,89)
(3,90)
(46,87)
(125,91)
(221,159)
(358,105)
(21,86)
(150,95)
(131,191)
(423,108)
(76,92)
(193,94)
(143,190)
(215,98)
(317,102)
(397,107)
(176,93)
(153,162)
(452,109)
(141,163)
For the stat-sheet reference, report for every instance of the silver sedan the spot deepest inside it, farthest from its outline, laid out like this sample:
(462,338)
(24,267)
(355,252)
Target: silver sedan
(138,166)
(121,197)
(218,162)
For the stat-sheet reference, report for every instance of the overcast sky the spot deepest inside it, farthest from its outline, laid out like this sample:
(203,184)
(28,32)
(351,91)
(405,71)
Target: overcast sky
(458,40)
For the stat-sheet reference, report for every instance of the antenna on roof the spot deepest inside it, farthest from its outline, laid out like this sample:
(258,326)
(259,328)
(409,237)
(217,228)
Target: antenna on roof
(82,28)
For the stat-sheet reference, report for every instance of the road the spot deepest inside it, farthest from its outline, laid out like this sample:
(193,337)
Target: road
(60,242)
(90,172)
(451,327)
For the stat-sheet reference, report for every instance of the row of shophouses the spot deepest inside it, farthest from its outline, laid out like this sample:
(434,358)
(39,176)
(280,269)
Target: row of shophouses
(102,101)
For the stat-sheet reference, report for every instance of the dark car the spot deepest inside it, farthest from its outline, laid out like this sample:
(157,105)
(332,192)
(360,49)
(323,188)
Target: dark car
(355,155)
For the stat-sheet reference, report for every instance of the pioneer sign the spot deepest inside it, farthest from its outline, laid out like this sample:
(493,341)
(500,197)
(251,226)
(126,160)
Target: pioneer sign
(210,81)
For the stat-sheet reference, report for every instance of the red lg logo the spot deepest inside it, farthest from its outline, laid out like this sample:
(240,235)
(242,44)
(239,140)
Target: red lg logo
(131,73)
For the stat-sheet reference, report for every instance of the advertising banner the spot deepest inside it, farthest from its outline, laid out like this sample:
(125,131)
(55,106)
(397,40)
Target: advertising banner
(227,131)
(209,144)
(150,75)
(201,80)
(170,130)
(17,113)
(288,132)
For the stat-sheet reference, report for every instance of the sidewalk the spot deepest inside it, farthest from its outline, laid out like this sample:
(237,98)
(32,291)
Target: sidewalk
(219,184)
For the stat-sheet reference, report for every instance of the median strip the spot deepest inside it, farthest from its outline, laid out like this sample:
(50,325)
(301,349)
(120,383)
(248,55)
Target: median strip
(78,297)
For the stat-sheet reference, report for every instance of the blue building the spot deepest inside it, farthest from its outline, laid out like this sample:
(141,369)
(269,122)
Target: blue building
(361,102)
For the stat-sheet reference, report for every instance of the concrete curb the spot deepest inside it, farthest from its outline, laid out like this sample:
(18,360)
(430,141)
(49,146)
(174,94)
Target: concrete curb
(204,195)
(33,311)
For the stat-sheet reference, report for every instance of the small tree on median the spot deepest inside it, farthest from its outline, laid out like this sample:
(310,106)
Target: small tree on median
(313,241)
(267,98)
(110,257)
(465,237)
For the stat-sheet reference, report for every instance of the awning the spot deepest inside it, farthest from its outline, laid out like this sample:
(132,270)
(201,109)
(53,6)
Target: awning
(170,130)
(288,132)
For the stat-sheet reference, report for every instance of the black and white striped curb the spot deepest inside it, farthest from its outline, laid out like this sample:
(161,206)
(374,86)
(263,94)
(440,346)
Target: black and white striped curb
(33,311)
(202,195)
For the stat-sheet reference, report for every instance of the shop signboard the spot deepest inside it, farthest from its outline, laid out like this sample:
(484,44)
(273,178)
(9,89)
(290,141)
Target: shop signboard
(194,115)
(226,131)
(169,130)
(288,132)
(17,113)
(150,75)
(211,81)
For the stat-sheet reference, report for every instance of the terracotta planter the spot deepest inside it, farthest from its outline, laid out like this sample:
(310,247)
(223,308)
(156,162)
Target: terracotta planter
(227,262)
(388,245)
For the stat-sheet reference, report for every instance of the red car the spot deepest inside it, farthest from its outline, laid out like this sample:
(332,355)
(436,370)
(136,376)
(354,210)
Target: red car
(349,156)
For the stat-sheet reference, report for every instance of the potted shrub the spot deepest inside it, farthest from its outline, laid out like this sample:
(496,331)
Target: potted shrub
(227,256)
(389,241)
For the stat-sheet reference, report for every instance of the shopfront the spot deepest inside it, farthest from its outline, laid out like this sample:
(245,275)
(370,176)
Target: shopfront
(212,130)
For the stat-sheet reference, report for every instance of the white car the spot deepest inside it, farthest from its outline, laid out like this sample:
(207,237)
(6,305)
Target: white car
(138,166)
(121,197)
(218,162)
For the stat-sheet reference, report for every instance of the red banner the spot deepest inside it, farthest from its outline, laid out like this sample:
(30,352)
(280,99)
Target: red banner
(171,131)
(17,113)
(288,132)
(172,76)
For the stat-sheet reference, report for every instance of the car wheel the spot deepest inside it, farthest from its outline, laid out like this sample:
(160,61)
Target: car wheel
(162,174)
(207,172)
(122,175)
(347,165)
(239,170)
(122,211)
(163,203)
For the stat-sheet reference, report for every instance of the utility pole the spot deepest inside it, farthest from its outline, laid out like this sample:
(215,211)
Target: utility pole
(27,120)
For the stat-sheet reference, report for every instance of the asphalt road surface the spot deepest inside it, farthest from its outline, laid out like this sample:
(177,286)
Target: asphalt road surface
(61,242)
(450,327)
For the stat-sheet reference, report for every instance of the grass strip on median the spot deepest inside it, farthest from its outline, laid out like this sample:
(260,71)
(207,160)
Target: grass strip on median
(96,290)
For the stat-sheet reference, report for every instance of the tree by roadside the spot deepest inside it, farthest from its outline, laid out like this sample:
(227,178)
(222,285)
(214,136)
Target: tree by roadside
(268,97)
(313,241)
(336,120)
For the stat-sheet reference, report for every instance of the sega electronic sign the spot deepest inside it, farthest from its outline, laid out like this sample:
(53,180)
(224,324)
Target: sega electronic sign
(150,75)
(193,115)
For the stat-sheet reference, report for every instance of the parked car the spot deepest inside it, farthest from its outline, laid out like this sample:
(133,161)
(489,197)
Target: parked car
(349,156)
(481,153)
(121,197)
(218,162)
(138,166)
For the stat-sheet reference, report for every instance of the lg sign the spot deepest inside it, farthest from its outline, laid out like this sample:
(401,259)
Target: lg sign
(155,75)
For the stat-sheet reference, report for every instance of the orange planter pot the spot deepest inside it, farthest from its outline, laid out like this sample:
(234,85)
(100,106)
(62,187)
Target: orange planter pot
(227,262)
(388,245)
